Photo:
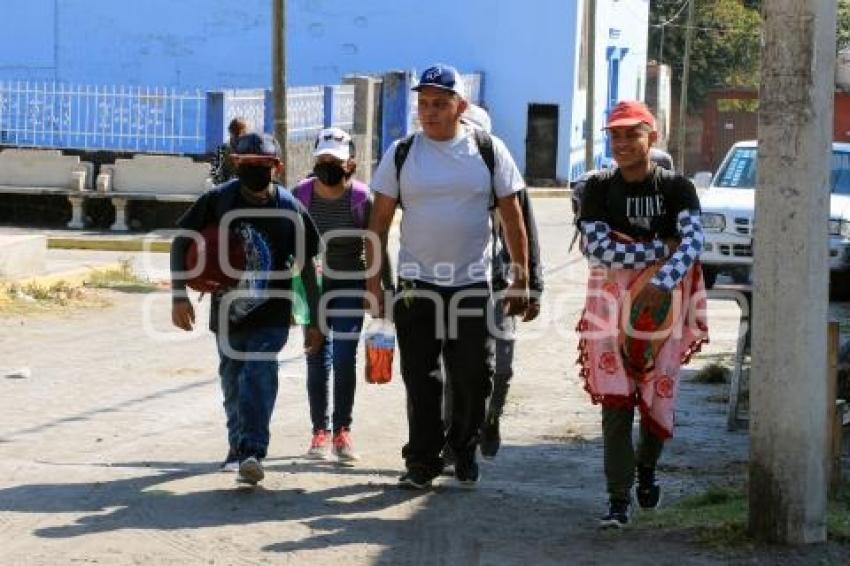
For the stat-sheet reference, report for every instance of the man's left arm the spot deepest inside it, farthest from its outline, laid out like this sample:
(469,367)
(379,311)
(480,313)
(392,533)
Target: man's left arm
(690,248)
(516,238)
(535,266)
(507,182)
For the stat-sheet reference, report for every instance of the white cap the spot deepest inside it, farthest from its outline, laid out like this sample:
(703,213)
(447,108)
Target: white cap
(335,142)
(477,117)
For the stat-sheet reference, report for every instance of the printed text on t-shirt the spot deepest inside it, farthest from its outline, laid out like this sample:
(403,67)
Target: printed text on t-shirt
(641,210)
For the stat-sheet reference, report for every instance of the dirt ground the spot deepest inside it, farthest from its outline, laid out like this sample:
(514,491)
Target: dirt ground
(109,453)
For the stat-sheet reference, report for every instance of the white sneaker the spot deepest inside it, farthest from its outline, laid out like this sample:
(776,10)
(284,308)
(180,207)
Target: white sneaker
(231,462)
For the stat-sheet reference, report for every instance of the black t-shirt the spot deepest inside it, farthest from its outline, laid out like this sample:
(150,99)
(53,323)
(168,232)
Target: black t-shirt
(644,210)
(270,244)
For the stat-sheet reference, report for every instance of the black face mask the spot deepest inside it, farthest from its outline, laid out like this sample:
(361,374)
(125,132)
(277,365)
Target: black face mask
(254,177)
(329,174)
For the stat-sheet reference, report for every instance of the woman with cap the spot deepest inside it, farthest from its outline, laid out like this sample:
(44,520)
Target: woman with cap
(340,206)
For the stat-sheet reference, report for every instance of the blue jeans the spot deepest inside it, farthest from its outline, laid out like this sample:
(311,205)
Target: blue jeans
(337,352)
(250,386)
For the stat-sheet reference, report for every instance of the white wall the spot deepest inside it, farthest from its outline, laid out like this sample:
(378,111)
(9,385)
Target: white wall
(619,24)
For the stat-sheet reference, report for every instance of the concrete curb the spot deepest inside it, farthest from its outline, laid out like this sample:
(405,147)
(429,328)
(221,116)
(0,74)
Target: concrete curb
(73,277)
(134,244)
(550,193)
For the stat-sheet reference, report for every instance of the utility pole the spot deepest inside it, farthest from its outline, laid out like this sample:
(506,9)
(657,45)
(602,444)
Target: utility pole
(661,46)
(279,76)
(590,134)
(683,98)
(788,392)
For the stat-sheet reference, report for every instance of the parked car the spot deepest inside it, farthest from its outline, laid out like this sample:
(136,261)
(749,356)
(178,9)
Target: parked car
(727,217)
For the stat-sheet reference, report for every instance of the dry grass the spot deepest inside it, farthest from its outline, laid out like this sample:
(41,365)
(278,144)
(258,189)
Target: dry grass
(34,299)
(122,278)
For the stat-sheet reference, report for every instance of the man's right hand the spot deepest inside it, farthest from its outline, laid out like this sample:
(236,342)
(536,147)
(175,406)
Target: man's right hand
(375,298)
(183,314)
(672,245)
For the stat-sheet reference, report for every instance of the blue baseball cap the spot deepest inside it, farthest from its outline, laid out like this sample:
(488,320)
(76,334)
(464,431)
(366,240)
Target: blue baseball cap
(441,76)
(257,144)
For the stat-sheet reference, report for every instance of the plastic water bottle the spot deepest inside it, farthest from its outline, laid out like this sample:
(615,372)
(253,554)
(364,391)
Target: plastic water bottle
(380,345)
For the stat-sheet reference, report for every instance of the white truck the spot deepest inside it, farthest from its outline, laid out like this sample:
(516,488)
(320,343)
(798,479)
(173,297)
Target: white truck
(727,216)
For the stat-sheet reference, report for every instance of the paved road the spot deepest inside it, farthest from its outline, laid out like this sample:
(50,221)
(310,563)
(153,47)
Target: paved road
(108,452)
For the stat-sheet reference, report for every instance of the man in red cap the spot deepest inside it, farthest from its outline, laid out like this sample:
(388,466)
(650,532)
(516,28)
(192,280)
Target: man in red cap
(642,236)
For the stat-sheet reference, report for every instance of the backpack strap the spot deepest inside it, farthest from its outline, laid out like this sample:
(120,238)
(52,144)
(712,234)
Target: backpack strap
(402,150)
(484,141)
(303,191)
(359,198)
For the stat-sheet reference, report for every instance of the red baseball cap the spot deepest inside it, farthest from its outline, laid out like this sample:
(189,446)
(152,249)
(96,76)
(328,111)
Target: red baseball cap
(630,113)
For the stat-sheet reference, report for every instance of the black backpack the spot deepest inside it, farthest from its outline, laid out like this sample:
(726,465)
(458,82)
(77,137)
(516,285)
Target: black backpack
(485,148)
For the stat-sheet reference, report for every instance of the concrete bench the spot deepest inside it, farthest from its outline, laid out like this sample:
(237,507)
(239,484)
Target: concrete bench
(47,172)
(153,178)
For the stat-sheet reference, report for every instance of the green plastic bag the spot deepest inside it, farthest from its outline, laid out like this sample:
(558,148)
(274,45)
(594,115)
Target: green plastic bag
(300,308)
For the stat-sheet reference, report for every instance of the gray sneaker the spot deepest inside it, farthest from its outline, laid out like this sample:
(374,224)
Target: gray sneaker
(250,471)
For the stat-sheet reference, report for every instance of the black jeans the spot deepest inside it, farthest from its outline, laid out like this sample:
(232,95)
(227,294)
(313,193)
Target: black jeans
(620,454)
(430,321)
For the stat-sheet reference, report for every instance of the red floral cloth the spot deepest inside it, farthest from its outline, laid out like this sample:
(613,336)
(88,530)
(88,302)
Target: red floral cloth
(631,352)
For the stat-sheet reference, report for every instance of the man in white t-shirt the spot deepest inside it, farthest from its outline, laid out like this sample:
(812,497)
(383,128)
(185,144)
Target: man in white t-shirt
(446,191)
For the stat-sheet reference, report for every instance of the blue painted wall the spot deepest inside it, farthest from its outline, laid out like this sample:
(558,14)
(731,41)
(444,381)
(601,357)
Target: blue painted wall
(528,50)
(181,43)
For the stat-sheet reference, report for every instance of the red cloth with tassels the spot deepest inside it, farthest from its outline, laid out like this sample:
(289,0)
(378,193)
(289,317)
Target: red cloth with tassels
(631,353)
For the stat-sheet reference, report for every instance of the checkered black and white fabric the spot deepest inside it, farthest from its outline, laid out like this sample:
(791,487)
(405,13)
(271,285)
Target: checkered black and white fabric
(600,247)
(688,252)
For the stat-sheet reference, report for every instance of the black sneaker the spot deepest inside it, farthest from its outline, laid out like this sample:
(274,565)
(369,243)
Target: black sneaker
(617,516)
(490,438)
(448,456)
(648,492)
(466,472)
(415,478)
(231,462)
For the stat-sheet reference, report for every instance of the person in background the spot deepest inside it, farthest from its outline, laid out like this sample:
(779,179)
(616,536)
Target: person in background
(221,166)
(504,326)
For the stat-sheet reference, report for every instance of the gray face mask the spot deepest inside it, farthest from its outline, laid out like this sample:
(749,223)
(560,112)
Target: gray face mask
(255,178)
